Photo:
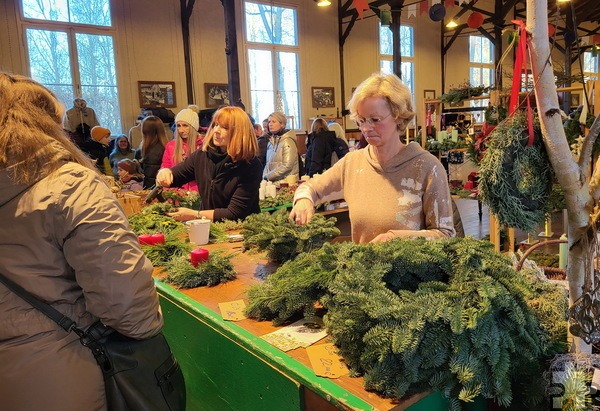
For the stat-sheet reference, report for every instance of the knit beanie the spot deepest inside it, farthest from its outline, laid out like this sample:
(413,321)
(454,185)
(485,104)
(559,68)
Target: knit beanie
(128,165)
(190,117)
(98,133)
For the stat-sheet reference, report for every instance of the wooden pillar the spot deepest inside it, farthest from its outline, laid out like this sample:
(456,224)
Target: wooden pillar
(397,56)
(231,50)
(186,13)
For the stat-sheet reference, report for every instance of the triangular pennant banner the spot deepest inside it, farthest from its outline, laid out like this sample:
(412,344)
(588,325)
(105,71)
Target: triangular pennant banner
(449,3)
(412,10)
(585,40)
(361,6)
(423,7)
(435,2)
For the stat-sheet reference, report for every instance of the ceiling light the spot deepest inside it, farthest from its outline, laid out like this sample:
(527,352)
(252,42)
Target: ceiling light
(323,3)
(563,1)
(451,24)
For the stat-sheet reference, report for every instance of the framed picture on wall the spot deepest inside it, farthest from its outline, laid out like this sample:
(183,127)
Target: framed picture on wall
(216,94)
(429,94)
(323,97)
(157,94)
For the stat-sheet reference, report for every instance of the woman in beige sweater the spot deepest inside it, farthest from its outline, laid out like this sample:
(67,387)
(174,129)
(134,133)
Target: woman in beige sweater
(392,189)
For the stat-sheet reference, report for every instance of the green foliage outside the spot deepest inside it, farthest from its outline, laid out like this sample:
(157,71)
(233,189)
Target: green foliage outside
(415,315)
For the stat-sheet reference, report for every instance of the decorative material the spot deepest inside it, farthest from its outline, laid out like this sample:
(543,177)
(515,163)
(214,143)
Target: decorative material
(475,20)
(199,255)
(415,315)
(216,270)
(459,94)
(157,94)
(437,12)
(322,97)
(282,238)
(216,94)
(515,178)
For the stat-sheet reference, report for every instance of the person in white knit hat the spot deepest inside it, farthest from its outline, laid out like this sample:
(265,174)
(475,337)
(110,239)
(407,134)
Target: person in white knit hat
(185,141)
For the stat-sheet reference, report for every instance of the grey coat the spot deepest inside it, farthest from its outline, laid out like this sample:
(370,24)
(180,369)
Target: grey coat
(67,241)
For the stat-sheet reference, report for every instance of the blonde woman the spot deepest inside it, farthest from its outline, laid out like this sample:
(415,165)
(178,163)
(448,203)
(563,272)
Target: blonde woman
(186,140)
(392,189)
(282,151)
(226,166)
(66,240)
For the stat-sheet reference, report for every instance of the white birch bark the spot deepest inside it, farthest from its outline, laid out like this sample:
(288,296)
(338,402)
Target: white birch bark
(571,176)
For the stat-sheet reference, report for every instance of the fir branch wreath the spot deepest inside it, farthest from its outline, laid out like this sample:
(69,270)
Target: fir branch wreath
(515,178)
(282,238)
(415,315)
(218,269)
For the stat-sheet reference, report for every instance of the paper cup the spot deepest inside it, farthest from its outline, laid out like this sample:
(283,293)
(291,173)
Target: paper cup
(199,231)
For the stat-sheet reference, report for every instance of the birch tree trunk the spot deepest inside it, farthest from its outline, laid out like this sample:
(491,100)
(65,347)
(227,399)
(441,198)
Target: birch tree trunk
(571,174)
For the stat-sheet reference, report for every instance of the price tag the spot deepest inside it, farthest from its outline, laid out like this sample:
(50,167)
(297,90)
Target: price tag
(233,310)
(325,361)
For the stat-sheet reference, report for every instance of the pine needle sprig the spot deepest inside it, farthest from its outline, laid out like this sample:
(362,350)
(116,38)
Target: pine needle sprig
(282,239)
(175,245)
(218,269)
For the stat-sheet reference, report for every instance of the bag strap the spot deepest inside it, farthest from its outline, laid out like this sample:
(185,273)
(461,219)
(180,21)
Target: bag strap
(63,321)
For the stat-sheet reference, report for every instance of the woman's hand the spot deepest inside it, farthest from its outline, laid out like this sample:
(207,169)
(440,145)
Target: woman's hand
(184,214)
(164,177)
(303,211)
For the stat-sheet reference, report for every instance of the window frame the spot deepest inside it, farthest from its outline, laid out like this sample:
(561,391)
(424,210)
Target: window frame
(406,58)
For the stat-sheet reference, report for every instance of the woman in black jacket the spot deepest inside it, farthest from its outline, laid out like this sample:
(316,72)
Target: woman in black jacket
(226,169)
(318,148)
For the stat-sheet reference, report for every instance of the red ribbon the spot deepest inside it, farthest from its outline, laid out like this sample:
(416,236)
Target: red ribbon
(519,70)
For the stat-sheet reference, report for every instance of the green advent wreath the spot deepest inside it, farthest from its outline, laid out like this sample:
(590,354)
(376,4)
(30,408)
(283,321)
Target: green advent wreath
(515,178)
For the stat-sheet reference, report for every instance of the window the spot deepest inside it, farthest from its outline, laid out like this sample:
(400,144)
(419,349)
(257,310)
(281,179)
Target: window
(406,51)
(273,54)
(590,65)
(481,69)
(74,60)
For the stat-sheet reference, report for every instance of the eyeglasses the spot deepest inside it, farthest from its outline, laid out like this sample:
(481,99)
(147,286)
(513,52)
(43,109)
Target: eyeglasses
(373,121)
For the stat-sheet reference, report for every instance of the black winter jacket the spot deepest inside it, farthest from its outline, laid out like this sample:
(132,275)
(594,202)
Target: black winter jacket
(228,188)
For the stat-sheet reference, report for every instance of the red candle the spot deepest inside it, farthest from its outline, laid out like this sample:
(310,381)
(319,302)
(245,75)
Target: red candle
(198,256)
(145,239)
(158,238)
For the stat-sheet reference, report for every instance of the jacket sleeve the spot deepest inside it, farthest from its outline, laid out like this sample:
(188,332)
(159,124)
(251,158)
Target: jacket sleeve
(167,158)
(244,200)
(321,156)
(109,266)
(184,172)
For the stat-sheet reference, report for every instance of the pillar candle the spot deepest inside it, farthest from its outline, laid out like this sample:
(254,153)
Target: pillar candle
(157,238)
(145,239)
(439,137)
(455,135)
(563,253)
(199,255)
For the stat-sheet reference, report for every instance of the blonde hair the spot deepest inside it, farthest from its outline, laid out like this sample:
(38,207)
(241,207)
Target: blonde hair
(318,124)
(280,117)
(191,144)
(31,136)
(242,139)
(389,87)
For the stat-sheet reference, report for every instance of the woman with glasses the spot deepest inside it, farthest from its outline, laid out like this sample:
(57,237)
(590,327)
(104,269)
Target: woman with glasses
(392,189)
(227,170)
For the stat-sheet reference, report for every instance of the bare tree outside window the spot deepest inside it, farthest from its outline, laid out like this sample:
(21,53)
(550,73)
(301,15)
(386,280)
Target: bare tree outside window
(92,75)
(272,59)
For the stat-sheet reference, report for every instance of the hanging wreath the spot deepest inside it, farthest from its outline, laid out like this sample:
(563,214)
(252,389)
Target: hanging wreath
(515,177)
(494,115)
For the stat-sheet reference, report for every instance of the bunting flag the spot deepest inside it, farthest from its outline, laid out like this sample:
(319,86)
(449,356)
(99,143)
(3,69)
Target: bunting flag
(461,2)
(585,40)
(361,6)
(423,7)
(596,38)
(449,3)
(412,10)
(435,2)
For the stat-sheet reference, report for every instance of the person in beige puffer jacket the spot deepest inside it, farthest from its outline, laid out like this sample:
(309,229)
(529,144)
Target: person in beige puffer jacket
(66,240)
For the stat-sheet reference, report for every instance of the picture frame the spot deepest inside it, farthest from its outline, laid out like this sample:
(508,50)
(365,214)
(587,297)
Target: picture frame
(575,99)
(157,94)
(216,94)
(322,97)
(429,94)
